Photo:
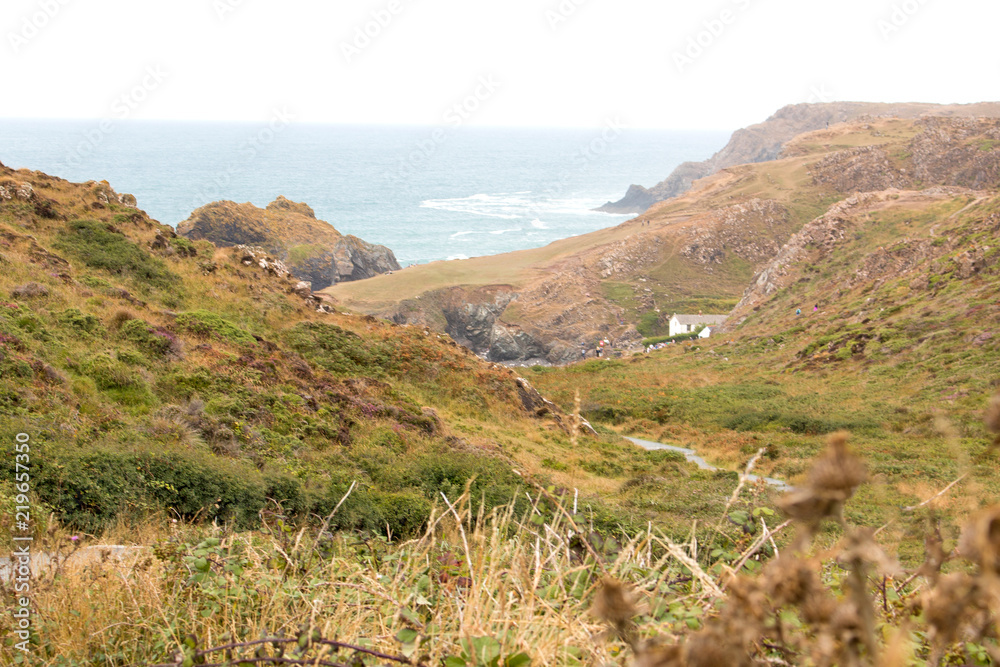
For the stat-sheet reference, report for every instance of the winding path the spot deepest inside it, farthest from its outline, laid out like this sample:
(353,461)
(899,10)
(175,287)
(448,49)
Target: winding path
(693,457)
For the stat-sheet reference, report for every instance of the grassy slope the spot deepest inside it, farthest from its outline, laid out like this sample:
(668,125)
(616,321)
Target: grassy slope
(194,385)
(908,369)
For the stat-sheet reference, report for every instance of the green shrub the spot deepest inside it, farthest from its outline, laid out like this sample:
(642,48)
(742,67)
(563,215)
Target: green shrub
(147,338)
(185,385)
(120,382)
(132,358)
(796,423)
(96,488)
(96,283)
(404,514)
(287,492)
(338,350)
(94,244)
(606,414)
(206,323)
(74,318)
(108,373)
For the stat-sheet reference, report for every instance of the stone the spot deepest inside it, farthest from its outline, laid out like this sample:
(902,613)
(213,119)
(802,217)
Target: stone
(30,291)
(435,420)
(160,242)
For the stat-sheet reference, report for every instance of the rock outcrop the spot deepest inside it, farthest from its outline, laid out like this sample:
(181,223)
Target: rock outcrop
(918,258)
(312,249)
(765,141)
(472,318)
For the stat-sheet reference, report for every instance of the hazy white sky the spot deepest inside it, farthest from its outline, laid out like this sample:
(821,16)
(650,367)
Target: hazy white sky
(720,64)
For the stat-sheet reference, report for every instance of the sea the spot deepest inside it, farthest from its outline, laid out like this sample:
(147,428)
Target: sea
(428,193)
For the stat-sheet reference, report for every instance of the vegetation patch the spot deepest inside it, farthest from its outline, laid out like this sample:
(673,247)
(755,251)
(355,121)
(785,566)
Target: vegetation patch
(339,351)
(98,246)
(206,323)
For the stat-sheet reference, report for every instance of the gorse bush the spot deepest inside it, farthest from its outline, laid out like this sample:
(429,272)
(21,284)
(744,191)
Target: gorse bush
(756,420)
(97,246)
(339,351)
(109,373)
(206,323)
(79,321)
(100,487)
(151,340)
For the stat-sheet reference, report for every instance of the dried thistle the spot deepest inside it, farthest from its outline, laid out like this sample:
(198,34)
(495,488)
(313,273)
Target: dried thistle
(713,647)
(862,548)
(838,472)
(980,541)
(791,581)
(934,556)
(615,606)
(993,417)
(833,479)
(898,650)
(948,603)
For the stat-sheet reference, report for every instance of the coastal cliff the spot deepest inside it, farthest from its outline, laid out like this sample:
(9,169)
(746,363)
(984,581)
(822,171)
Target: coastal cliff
(312,249)
(766,141)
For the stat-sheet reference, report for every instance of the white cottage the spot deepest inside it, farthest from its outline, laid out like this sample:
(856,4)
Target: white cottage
(684,324)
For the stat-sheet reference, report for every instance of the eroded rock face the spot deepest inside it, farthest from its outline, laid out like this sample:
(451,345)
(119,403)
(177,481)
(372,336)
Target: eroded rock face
(961,152)
(473,319)
(312,249)
(862,169)
(477,325)
(921,259)
(752,230)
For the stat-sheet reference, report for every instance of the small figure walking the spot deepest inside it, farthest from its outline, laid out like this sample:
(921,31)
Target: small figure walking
(816,307)
(798,311)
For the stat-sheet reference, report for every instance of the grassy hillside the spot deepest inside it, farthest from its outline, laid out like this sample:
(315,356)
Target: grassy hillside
(902,352)
(163,376)
(175,392)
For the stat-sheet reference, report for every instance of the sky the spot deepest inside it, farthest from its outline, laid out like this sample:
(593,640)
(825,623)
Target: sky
(669,64)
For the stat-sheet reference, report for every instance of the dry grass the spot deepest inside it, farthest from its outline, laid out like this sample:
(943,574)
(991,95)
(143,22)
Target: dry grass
(523,581)
(502,589)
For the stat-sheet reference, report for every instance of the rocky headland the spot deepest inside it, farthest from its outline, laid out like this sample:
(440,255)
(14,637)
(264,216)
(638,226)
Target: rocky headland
(312,249)
(766,141)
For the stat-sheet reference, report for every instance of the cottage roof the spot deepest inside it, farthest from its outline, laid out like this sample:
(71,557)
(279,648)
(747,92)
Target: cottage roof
(700,319)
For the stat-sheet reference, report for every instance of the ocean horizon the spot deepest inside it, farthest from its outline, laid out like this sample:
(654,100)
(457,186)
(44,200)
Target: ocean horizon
(428,193)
